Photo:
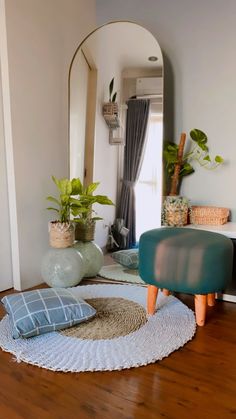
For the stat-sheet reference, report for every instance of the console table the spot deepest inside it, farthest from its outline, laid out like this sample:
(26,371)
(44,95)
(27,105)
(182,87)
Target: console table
(228,230)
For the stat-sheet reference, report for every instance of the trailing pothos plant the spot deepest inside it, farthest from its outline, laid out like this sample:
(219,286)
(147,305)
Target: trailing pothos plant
(178,163)
(76,200)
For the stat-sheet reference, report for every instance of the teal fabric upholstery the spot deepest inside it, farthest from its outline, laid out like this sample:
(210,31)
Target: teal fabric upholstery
(45,310)
(186,260)
(128,258)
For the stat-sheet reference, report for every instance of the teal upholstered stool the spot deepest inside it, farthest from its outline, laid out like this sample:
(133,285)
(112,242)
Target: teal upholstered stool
(185,260)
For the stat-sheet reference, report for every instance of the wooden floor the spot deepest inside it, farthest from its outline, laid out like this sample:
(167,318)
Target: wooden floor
(198,381)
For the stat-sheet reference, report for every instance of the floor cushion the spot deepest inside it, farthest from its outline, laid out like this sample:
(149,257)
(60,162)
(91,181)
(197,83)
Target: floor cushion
(128,258)
(45,310)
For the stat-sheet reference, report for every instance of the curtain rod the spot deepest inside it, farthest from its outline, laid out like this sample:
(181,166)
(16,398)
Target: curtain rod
(151,97)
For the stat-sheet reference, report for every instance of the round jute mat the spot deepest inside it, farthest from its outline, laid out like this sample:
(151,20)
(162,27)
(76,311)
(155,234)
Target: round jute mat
(115,317)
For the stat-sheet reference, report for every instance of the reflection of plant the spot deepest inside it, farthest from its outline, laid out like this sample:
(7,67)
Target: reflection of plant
(112,98)
(198,152)
(76,199)
(82,209)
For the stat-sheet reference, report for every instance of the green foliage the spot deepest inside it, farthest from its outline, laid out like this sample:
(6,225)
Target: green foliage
(112,98)
(76,199)
(198,152)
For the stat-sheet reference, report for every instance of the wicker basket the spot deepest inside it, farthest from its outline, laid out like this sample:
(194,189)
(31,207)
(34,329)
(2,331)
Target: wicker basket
(204,215)
(110,109)
(84,233)
(110,114)
(176,218)
(61,235)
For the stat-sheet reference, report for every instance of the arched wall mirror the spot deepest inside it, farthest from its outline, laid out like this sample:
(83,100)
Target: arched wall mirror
(129,54)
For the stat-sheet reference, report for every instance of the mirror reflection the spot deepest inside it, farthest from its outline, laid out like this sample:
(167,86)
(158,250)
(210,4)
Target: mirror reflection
(116,125)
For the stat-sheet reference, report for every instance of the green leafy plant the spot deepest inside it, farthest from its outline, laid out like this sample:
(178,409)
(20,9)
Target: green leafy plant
(198,152)
(77,200)
(112,96)
(84,213)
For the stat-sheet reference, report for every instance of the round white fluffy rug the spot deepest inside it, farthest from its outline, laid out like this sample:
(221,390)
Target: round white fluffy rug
(168,330)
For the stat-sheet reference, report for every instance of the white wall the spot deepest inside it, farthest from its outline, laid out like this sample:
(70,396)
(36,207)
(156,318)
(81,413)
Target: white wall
(106,155)
(5,238)
(42,38)
(198,41)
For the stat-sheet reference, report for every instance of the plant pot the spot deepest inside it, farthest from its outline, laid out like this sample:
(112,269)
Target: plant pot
(61,235)
(176,218)
(175,211)
(84,232)
(111,115)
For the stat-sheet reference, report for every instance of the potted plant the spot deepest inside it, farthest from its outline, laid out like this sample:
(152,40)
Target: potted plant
(61,231)
(110,109)
(77,200)
(82,210)
(175,211)
(178,164)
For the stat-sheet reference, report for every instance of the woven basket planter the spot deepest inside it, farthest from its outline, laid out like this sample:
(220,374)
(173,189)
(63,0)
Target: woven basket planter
(204,215)
(175,211)
(84,233)
(110,114)
(176,218)
(61,235)
(110,109)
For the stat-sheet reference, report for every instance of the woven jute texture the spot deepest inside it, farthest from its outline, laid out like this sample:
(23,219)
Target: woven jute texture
(176,217)
(115,317)
(61,235)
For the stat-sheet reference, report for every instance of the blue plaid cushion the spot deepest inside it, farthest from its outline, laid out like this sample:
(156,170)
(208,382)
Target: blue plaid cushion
(128,258)
(45,310)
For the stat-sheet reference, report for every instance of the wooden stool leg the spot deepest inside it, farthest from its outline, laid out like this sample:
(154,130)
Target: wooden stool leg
(166,292)
(211,299)
(151,300)
(200,309)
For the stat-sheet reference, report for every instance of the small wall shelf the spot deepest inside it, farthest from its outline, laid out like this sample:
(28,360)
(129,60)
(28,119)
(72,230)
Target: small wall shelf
(110,111)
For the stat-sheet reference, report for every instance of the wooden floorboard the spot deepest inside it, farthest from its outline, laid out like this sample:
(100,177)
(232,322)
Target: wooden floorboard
(197,381)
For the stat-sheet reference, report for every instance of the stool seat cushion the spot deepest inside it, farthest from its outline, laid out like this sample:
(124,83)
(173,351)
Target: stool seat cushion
(185,260)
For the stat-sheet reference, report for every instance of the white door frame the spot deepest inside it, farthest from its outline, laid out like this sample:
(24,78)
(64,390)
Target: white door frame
(9,148)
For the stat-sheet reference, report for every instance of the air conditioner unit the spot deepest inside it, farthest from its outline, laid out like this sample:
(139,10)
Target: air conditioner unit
(149,86)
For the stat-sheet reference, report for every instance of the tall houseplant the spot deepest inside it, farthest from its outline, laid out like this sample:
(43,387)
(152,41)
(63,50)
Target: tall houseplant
(178,163)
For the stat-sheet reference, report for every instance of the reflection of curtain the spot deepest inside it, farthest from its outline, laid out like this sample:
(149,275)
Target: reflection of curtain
(136,125)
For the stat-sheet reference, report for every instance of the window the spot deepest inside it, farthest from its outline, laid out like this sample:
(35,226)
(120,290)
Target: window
(148,190)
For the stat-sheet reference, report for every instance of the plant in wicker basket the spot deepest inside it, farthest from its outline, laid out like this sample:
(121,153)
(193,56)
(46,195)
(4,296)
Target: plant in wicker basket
(62,230)
(110,109)
(77,200)
(175,211)
(82,210)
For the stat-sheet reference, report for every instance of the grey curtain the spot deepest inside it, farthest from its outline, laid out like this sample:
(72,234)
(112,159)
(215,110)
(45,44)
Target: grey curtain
(136,126)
